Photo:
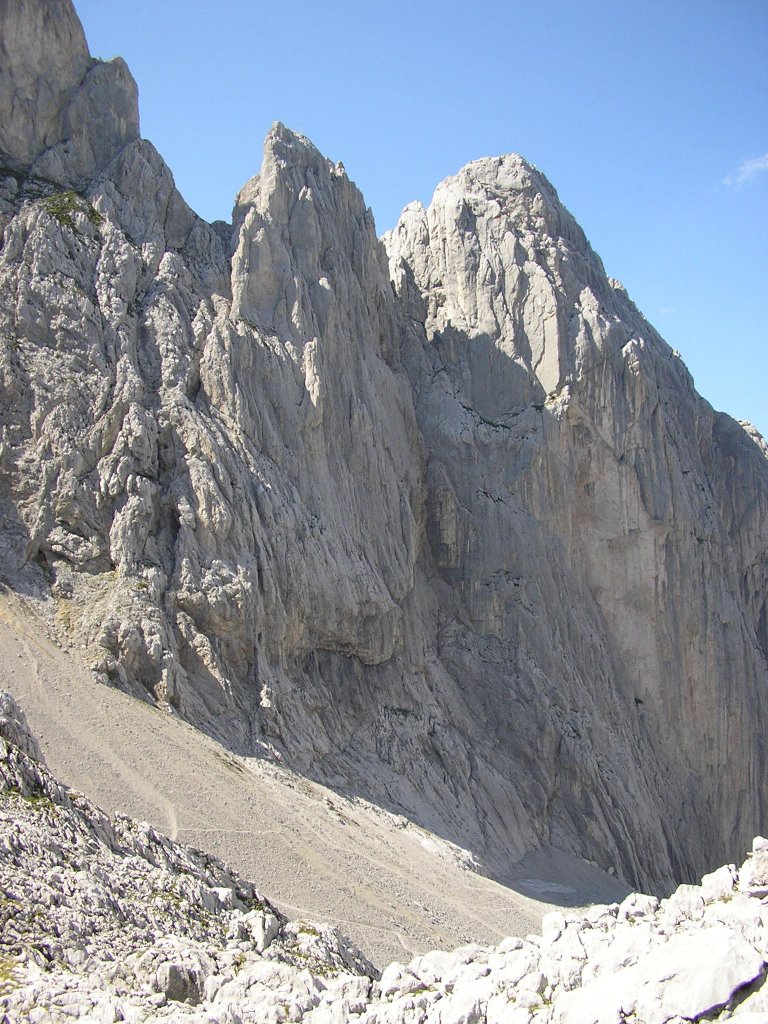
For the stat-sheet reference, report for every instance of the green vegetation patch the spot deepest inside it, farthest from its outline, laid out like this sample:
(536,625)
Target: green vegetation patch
(64,205)
(37,797)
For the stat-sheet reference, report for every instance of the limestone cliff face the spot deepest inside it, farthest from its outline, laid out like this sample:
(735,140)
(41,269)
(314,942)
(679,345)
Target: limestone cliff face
(442,520)
(587,509)
(62,114)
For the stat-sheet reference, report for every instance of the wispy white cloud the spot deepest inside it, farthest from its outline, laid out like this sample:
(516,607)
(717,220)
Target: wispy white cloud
(748,170)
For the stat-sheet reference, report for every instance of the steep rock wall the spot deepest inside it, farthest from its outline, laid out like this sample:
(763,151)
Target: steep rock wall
(593,436)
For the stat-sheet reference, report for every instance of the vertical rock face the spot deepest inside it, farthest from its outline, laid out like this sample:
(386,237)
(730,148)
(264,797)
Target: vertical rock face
(456,533)
(607,484)
(62,114)
(44,59)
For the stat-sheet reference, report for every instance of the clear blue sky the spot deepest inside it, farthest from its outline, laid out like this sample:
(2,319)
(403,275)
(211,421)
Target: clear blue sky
(651,120)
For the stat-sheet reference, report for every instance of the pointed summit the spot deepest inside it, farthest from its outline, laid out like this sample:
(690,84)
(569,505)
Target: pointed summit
(300,221)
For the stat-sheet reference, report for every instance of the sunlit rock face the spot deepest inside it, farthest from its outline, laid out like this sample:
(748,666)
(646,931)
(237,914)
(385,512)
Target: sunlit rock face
(62,114)
(440,520)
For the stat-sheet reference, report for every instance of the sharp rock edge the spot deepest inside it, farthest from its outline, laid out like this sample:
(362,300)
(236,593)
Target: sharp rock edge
(440,520)
(147,930)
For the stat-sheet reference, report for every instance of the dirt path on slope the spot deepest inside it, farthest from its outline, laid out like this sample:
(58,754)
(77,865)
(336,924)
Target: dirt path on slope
(397,891)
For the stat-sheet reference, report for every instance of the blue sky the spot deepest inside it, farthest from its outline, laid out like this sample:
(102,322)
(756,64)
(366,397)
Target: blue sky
(651,120)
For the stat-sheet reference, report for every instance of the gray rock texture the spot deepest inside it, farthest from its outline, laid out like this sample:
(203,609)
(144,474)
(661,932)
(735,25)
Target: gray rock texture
(441,521)
(14,728)
(63,115)
(600,521)
(105,920)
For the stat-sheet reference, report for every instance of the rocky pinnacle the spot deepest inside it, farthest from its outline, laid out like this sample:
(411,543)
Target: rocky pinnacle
(438,519)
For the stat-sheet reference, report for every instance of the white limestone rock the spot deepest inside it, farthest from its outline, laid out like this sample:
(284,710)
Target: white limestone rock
(105,919)
(754,877)
(719,884)
(442,522)
(63,115)
(687,976)
(15,730)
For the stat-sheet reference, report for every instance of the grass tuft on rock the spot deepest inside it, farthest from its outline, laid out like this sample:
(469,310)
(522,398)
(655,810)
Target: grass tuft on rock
(63,206)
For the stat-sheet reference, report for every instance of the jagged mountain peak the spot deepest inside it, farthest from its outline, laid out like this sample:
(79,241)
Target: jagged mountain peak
(508,174)
(496,257)
(292,149)
(302,235)
(511,190)
(295,173)
(459,536)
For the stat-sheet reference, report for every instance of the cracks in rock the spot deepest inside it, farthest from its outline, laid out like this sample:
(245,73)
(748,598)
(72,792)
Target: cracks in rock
(491,423)
(737,998)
